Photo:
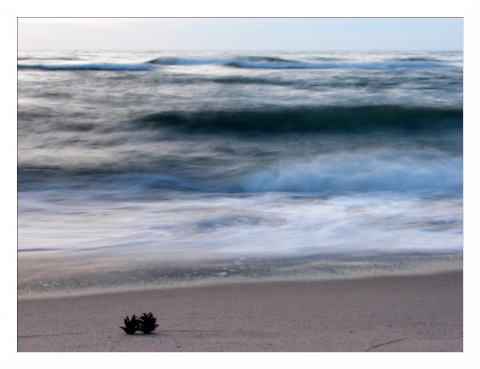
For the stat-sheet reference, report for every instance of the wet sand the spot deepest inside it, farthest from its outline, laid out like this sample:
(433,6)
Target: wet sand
(403,313)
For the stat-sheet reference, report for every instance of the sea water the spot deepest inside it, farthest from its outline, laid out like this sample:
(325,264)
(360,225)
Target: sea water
(175,156)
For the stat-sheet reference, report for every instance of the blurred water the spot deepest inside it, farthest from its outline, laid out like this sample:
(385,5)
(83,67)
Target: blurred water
(180,156)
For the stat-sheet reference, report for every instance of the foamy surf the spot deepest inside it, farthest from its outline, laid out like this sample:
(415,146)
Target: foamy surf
(217,156)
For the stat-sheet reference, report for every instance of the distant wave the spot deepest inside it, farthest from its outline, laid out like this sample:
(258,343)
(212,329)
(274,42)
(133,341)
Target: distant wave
(89,66)
(253,62)
(306,119)
(269,62)
(46,58)
(415,59)
(167,60)
(330,65)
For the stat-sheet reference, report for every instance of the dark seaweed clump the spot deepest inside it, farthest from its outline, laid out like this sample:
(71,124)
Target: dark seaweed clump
(131,325)
(146,324)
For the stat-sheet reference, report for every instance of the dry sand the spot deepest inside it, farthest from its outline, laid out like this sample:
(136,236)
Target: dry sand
(392,313)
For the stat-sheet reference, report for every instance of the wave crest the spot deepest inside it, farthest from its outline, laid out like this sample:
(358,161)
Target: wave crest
(255,62)
(272,62)
(307,119)
(360,173)
(89,66)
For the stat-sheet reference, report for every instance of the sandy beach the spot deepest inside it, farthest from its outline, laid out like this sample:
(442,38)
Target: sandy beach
(409,313)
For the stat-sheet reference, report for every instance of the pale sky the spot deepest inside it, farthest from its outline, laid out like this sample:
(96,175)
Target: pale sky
(240,33)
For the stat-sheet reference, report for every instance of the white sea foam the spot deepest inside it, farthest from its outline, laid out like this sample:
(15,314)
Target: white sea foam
(333,173)
(265,225)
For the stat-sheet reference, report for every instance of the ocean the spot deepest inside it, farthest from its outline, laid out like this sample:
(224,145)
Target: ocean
(195,157)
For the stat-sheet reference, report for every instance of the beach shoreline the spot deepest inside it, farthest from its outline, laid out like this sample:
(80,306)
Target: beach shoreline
(58,275)
(421,310)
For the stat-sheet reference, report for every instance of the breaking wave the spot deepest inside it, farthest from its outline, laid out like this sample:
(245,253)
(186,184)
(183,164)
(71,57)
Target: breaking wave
(307,119)
(89,66)
(343,172)
(360,173)
(259,62)
(270,62)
